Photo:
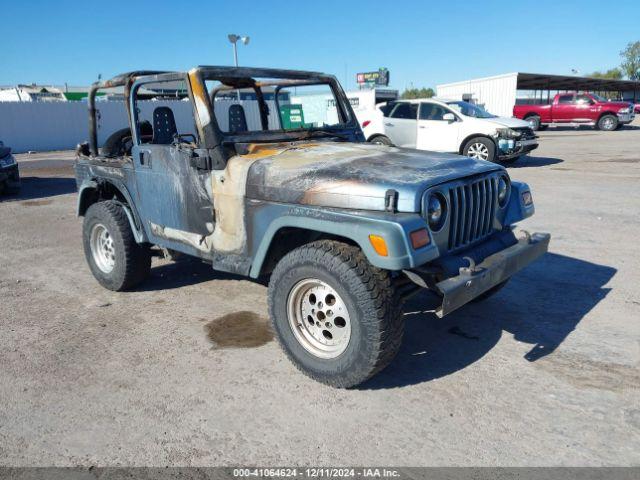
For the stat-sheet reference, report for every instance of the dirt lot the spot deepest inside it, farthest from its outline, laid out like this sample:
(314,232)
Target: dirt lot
(184,371)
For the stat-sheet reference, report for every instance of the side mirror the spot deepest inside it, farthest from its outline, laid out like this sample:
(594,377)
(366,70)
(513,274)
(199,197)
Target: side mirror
(449,117)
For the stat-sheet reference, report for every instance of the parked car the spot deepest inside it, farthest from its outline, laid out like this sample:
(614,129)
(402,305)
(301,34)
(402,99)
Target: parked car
(9,173)
(577,108)
(342,229)
(453,126)
(636,107)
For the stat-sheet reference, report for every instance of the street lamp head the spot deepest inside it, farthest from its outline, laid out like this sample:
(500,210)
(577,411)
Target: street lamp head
(245,40)
(233,38)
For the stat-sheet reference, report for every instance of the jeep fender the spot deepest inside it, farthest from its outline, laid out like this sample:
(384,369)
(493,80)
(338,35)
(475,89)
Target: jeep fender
(89,187)
(394,228)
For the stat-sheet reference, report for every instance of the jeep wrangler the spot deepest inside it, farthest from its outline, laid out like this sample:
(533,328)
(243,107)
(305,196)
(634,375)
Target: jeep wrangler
(265,173)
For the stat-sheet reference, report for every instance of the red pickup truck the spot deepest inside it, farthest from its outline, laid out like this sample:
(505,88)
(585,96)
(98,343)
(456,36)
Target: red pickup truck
(577,108)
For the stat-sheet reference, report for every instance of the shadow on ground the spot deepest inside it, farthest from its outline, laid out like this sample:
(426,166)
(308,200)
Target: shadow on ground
(41,187)
(186,271)
(541,306)
(529,161)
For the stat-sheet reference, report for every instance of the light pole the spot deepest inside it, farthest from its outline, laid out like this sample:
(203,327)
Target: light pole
(233,38)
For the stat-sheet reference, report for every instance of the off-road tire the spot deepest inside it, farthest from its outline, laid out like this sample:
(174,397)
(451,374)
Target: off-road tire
(608,123)
(490,293)
(132,260)
(373,304)
(381,140)
(489,145)
(534,122)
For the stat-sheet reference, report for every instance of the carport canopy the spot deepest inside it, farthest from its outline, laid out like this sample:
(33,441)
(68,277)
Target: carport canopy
(536,81)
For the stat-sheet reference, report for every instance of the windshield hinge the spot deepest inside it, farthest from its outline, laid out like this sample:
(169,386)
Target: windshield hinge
(391,200)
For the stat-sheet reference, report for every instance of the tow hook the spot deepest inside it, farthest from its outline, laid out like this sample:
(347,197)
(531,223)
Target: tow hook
(525,236)
(471,269)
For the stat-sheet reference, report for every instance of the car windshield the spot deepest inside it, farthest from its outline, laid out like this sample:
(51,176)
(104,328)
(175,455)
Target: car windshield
(470,110)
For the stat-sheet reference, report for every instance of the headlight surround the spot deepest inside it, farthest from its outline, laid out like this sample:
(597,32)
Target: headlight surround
(504,189)
(436,211)
(508,133)
(625,110)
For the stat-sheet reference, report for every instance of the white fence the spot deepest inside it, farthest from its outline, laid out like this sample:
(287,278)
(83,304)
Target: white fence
(42,126)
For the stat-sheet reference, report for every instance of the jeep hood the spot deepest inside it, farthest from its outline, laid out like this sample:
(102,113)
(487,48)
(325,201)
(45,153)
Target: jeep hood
(350,175)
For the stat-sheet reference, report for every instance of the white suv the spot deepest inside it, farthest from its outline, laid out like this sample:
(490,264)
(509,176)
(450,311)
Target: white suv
(455,126)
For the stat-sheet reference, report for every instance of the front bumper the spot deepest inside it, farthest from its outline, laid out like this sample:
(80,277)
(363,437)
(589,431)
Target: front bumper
(514,148)
(10,175)
(474,280)
(625,118)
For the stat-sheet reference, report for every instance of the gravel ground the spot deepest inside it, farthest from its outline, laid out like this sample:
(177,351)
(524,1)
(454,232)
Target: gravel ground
(184,370)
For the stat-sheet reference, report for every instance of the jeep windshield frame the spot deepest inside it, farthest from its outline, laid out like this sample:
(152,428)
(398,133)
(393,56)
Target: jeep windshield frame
(256,79)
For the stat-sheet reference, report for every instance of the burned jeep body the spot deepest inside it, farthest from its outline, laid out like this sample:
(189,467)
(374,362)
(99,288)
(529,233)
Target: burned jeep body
(272,179)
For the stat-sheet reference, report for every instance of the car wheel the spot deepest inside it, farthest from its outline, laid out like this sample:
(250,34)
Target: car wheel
(480,148)
(114,257)
(608,123)
(381,140)
(337,317)
(543,127)
(534,122)
(490,293)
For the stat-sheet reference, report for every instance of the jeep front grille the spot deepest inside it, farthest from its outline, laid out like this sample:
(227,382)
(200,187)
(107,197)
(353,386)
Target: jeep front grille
(473,207)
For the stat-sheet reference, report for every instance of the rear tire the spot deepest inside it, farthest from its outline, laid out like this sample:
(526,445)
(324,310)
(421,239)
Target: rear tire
(534,122)
(481,148)
(381,140)
(114,257)
(608,123)
(337,317)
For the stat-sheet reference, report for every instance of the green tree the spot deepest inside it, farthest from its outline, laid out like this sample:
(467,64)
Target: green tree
(631,60)
(410,93)
(612,74)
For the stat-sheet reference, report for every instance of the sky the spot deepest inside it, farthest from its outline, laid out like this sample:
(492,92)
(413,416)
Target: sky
(422,43)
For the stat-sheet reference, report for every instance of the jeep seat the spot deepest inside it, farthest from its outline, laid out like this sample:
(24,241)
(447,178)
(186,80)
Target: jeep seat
(164,126)
(237,119)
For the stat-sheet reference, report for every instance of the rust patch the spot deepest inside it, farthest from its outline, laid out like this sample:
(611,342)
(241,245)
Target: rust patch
(36,203)
(239,330)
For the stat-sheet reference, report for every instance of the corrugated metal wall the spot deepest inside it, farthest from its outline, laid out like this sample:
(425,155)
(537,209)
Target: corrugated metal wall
(496,94)
(43,126)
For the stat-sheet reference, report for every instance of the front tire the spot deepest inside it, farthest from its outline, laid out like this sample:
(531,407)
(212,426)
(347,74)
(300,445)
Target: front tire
(481,148)
(608,123)
(114,257)
(337,317)
(381,140)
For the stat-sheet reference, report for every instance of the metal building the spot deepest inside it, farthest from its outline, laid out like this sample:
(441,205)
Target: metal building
(498,94)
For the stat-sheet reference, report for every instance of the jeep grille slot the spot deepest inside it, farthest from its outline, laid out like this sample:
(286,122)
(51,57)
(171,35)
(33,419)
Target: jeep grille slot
(473,207)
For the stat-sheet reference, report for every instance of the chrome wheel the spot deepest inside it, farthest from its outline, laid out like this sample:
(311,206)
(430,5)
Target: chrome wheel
(102,248)
(478,150)
(319,318)
(608,123)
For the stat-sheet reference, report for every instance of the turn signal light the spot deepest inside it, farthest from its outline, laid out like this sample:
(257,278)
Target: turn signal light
(379,245)
(527,199)
(419,238)
(365,123)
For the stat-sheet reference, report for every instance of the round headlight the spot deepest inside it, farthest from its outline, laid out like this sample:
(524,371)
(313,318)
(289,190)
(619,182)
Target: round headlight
(503,191)
(436,210)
